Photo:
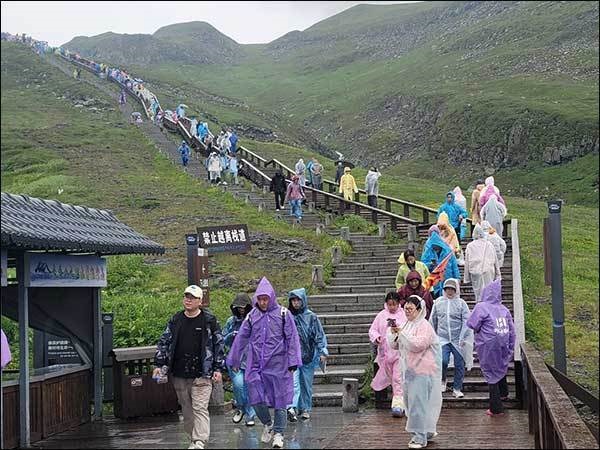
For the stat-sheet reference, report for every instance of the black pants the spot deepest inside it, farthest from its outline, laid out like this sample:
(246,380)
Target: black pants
(457,229)
(372,200)
(497,392)
(279,199)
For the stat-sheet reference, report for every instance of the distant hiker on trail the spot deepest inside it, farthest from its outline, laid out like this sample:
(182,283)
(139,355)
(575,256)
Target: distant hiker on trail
(407,263)
(348,185)
(475,206)
(309,165)
(496,240)
(300,170)
(494,212)
(421,368)
(122,97)
(269,339)
(214,168)
(194,127)
(448,234)
(449,321)
(313,346)
(414,286)
(294,196)
(184,151)
(435,253)
(481,264)
(240,308)
(455,212)
(339,172)
(372,186)
(233,141)
(232,164)
(279,188)
(317,175)
(193,361)
(489,190)
(224,166)
(388,372)
(202,131)
(494,342)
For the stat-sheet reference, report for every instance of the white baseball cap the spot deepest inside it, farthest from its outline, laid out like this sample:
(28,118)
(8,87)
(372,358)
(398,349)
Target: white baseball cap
(196,291)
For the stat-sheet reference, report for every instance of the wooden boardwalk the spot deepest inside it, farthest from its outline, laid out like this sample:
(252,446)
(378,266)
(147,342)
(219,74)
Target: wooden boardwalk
(328,428)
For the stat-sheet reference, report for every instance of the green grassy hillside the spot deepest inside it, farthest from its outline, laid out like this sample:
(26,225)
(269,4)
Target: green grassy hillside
(101,161)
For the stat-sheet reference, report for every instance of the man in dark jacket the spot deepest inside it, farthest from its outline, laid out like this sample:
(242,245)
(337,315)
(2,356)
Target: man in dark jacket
(278,186)
(339,171)
(191,350)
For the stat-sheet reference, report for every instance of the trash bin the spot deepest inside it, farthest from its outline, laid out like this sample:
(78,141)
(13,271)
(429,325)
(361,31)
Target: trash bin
(136,394)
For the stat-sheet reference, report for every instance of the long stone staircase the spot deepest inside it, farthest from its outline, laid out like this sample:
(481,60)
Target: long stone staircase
(355,294)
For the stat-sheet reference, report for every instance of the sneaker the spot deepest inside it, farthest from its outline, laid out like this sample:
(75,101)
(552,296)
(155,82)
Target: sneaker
(278,441)
(238,416)
(305,415)
(196,445)
(397,412)
(250,422)
(444,387)
(491,414)
(413,444)
(457,393)
(432,436)
(267,434)
(277,209)
(291,415)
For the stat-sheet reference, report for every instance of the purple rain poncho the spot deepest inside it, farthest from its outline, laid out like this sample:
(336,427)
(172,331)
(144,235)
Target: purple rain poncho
(494,333)
(271,342)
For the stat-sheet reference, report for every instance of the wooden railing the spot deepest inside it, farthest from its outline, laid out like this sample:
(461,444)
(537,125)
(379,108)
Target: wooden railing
(553,420)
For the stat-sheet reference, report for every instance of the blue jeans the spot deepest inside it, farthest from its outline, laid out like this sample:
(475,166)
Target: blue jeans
(240,393)
(459,365)
(262,412)
(296,208)
(303,388)
(421,438)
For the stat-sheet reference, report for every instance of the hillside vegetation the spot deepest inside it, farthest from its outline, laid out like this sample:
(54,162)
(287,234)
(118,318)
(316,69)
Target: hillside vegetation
(50,140)
(472,85)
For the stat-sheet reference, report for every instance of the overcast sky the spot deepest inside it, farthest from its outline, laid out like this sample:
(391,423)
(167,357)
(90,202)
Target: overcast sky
(245,22)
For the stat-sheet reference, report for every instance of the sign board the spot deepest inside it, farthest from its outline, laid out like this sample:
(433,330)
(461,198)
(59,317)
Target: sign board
(224,239)
(4,268)
(52,270)
(197,265)
(60,350)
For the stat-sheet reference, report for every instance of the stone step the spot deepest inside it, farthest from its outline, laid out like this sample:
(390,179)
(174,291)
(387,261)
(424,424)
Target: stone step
(360,279)
(471,400)
(349,349)
(327,394)
(329,298)
(373,307)
(340,329)
(349,358)
(369,251)
(335,374)
(347,338)
(347,319)
(384,259)
(360,288)
(379,272)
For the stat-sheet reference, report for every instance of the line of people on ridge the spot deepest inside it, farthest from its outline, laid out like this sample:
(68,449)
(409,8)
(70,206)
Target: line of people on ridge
(270,352)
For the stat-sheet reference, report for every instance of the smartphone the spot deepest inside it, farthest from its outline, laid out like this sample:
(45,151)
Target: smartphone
(391,323)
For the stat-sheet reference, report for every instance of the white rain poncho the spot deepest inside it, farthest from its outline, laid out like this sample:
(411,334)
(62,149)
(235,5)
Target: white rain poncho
(421,367)
(449,320)
(194,127)
(494,211)
(496,241)
(481,265)
(459,198)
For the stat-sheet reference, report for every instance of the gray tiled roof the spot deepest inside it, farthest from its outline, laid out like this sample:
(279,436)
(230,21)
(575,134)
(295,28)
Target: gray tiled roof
(34,223)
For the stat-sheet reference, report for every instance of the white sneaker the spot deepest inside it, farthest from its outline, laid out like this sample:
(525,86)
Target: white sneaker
(457,394)
(278,441)
(267,434)
(412,444)
(196,445)
(305,415)
(238,416)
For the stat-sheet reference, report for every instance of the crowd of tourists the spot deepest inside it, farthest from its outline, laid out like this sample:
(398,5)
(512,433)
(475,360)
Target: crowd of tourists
(270,352)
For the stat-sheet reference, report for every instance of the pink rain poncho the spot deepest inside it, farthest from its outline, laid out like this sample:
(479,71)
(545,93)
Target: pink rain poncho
(489,190)
(270,341)
(421,368)
(387,359)
(459,198)
(6,356)
(481,264)
(494,333)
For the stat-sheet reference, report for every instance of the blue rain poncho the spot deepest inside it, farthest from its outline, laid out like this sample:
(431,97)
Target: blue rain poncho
(313,345)
(453,210)
(431,259)
(449,320)
(421,366)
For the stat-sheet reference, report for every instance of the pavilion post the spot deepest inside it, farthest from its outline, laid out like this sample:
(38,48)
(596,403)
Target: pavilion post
(23,298)
(97,319)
